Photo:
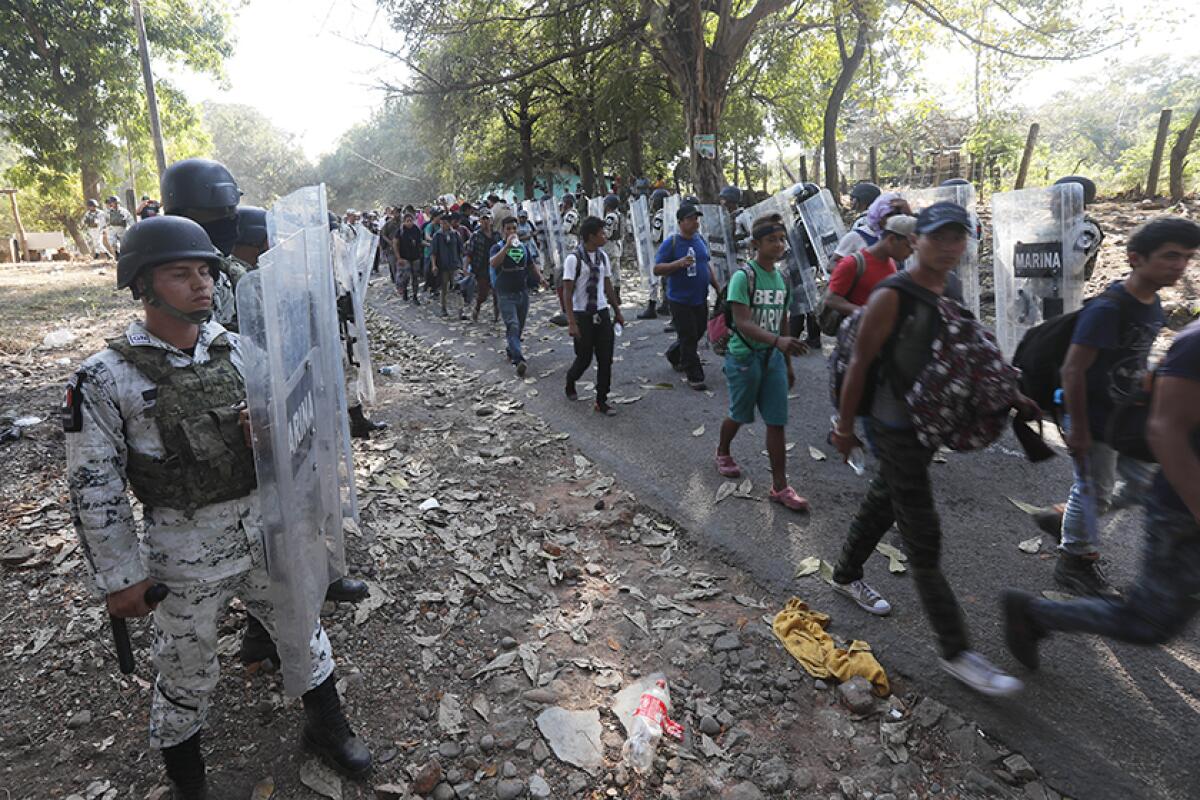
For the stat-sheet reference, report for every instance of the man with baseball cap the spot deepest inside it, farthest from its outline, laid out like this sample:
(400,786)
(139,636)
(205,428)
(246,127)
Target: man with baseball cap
(902,314)
(683,259)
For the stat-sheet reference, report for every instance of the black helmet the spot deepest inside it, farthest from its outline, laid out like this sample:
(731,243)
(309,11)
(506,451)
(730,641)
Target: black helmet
(252,225)
(956,182)
(198,183)
(865,192)
(657,197)
(611,202)
(689,199)
(732,194)
(568,199)
(1089,188)
(92,203)
(112,198)
(159,240)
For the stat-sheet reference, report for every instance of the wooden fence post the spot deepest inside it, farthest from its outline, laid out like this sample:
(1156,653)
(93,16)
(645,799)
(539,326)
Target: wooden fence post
(22,248)
(803,168)
(1160,144)
(874,166)
(1026,156)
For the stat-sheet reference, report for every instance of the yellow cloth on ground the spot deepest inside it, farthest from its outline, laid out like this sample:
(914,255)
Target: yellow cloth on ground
(802,632)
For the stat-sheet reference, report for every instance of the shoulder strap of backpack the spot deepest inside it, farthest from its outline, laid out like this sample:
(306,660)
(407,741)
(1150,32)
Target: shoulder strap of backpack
(860,266)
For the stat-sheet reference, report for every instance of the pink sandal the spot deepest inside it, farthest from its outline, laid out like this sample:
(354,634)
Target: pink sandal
(788,497)
(728,467)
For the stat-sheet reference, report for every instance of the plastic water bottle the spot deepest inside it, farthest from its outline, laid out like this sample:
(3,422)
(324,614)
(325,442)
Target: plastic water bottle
(691,270)
(391,369)
(651,717)
(857,459)
(618,329)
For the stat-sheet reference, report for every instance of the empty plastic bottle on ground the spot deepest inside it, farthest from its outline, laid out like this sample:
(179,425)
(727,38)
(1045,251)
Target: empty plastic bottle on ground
(649,721)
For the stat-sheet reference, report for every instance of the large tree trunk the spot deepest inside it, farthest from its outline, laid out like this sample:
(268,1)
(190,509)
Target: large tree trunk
(526,134)
(72,226)
(833,107)
(703,116)
(1179,155)
(637,163)
(587,171)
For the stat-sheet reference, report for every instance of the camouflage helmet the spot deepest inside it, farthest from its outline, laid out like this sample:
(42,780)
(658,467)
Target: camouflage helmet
(160,240)
(198,183)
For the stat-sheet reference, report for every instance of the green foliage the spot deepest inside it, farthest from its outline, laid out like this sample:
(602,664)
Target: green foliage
(266,161)
(70,81)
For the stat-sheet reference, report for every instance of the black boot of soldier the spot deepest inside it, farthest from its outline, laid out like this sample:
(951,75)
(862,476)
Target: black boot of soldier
(649,313)
(347,590)
(327,732)
(185,769)
(360,426)
(257,645)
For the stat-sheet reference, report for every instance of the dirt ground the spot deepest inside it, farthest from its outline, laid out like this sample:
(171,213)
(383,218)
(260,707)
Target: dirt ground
(537,582)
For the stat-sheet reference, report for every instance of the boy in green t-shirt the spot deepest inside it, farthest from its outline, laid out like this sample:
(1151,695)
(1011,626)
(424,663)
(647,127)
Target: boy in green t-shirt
(757,368)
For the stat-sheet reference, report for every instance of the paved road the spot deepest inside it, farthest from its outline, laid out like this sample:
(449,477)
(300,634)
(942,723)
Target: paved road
(1099,720)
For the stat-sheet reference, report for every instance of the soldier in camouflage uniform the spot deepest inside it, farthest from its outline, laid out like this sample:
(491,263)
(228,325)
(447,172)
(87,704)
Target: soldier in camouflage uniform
(157,411)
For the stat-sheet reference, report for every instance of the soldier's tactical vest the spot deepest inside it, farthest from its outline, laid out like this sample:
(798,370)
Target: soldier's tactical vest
(115,218)
(207,460)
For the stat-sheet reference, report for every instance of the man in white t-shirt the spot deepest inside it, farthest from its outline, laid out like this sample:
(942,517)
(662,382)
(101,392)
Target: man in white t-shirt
(589,295)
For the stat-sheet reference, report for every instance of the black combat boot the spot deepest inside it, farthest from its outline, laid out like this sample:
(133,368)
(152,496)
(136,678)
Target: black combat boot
(257,645)
(360,426)
(327,732)
(185,769)
(347,590)
(650,312)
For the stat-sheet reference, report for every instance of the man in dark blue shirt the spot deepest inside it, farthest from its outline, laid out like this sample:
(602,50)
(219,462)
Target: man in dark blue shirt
(513,263)
(683,258)
(1167,594)
(1104,365)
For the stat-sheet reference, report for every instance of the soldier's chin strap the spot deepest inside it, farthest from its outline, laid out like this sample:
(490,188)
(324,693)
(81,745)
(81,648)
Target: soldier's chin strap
(194,317)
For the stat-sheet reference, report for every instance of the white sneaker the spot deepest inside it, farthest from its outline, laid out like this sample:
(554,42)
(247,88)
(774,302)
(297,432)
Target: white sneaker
(867,598)
(981,675)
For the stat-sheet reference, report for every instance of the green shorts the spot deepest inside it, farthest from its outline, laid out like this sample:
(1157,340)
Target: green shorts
(757,380)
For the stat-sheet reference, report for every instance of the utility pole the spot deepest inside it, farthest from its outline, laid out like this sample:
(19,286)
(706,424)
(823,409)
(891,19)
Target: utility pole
(151,98)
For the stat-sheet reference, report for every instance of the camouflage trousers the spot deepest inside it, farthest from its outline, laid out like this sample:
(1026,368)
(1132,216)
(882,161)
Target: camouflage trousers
(185,650)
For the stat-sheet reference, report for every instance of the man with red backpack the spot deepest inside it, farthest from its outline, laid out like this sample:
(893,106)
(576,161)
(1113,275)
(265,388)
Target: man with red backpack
(894,342)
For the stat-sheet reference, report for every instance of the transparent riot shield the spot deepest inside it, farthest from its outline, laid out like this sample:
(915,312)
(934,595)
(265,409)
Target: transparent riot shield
(556,241)
(534,209)
(302,209)
(293,380)
(823,224)
(595,207)
(717,228)
(1038,258)
(352,269)
(797,265)
(670,225)
(643,238)
(968,267)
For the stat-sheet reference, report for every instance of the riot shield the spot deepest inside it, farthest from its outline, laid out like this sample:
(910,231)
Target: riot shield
(556,240)
(717,228)
(796,264)
(824,226)
(1037,258)
(595,207)
(293,390)
(303,209)
(352,255)
(968,267)
(643,238)
(670,225)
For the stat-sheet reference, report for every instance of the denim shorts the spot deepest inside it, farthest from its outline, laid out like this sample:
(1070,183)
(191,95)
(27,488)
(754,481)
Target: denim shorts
(757,380)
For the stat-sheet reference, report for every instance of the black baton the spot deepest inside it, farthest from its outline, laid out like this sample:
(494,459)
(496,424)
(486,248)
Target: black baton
(154,595)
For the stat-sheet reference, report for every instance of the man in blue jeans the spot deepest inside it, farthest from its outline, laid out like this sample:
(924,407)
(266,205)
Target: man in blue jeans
(1166,596)
(513,263)
(683,260)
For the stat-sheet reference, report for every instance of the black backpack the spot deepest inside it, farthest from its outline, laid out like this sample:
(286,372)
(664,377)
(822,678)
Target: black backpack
(1043,349)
